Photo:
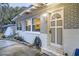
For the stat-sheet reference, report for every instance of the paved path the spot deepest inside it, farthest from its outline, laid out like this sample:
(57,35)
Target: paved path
(11,48)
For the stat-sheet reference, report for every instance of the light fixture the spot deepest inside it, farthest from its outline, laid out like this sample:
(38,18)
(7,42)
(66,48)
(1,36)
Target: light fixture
(44,15)
(37,5)
(28,11)
(33,8)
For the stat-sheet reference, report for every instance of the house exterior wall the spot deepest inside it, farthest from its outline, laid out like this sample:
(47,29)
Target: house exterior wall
(71,27)
(71,40)
(70,31)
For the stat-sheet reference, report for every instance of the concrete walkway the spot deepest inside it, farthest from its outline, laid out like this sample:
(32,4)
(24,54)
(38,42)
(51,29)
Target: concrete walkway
(11,48)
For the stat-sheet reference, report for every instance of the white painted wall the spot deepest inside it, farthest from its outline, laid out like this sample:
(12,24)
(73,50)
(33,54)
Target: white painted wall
(43,25)
(44,39)
(30,36)
(71,40)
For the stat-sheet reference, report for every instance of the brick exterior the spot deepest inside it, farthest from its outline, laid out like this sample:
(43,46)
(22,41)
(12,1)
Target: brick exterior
(71,16)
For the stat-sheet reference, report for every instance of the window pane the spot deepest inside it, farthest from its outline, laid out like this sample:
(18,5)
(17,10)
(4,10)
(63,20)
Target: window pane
(53,18)
(56,15)
(59,22)
(28,25)
(19,27)
(59,36)
(33,28)
(28,28)
(53,23)
(53,35)
(36,24)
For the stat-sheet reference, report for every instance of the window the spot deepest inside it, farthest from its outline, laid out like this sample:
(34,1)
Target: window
(19,27)
(33,24)
(36,24)
(56,28)
(28,25)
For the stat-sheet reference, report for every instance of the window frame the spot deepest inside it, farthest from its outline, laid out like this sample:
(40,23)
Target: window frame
(28,25)
(58,10)
(35,24)
(31,26)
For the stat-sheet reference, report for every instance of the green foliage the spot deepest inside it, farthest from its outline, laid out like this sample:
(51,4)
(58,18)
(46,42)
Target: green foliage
(7,13)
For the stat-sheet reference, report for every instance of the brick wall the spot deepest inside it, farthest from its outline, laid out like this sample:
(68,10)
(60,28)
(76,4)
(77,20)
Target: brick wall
(71,16)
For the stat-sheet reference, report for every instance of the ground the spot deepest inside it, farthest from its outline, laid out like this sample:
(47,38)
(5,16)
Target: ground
(11,48)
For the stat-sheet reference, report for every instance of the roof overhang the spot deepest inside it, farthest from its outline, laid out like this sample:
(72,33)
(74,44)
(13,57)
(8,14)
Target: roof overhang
(32,9)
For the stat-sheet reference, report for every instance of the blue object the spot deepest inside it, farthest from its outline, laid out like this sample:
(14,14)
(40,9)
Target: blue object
(77,52)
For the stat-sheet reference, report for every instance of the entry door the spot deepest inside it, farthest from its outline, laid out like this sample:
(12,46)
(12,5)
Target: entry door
(56,27)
